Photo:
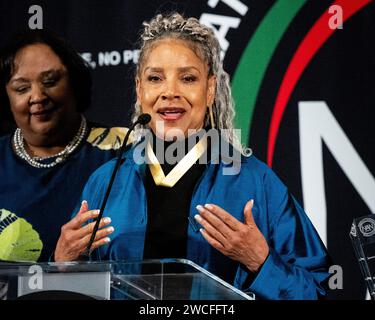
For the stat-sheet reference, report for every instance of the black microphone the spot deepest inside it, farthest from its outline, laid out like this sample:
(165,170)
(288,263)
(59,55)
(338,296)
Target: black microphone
(143,119)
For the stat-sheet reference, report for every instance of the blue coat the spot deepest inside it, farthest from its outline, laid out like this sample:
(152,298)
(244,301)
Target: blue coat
(296,267)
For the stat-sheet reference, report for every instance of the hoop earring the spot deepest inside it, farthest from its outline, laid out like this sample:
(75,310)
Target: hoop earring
(212,120)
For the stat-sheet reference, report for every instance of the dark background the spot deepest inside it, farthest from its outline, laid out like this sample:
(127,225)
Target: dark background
(342,74)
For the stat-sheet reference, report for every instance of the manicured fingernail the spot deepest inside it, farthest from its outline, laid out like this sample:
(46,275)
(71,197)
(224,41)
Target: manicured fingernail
(83,202)
(107,220)
(208,206)
(107,240)
(252,202)
(201,230)
(198,218)
(95,213)
(110,229)
(199,208)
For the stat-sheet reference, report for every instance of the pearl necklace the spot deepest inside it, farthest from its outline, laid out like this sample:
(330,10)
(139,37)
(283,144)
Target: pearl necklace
(19,148)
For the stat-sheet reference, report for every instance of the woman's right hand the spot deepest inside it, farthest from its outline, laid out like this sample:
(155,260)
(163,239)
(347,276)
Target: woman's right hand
(74,237)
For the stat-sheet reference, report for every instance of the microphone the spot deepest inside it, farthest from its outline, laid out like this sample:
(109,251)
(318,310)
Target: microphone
(143,119)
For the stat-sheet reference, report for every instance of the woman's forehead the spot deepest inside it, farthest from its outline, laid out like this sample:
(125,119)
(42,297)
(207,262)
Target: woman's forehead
(36,58)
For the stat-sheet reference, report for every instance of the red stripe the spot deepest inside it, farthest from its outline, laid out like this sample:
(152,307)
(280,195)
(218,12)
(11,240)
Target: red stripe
(313,41)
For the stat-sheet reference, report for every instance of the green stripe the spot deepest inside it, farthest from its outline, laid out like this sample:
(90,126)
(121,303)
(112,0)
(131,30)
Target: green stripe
(253,64)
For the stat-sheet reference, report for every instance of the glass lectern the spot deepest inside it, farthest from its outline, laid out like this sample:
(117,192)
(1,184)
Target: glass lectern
(167,279)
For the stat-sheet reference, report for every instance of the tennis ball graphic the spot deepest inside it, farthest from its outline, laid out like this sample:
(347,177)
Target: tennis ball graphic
(18,240)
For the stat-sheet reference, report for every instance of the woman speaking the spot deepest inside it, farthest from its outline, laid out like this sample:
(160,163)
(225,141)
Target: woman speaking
(233,218)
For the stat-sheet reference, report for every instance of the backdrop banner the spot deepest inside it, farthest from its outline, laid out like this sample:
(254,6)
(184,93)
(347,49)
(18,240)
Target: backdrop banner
(302,74)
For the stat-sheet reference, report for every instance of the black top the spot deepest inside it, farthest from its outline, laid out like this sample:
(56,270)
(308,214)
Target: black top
(168,211)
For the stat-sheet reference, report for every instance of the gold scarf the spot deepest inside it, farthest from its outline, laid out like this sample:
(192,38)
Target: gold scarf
(180,169)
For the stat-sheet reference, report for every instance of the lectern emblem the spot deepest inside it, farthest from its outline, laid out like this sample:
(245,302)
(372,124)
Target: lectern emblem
(367,227)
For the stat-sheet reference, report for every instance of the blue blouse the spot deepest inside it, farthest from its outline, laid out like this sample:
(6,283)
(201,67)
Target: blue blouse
(297,265)
(35,202)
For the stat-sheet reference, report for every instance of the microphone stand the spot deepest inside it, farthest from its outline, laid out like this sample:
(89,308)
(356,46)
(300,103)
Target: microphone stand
(143,119)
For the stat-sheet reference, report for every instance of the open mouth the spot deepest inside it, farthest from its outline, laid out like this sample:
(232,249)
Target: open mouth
(171,114)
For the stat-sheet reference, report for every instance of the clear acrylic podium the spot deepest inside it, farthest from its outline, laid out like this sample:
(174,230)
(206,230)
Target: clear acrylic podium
(167,279)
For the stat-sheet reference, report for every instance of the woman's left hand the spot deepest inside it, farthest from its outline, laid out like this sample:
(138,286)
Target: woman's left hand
(239,241)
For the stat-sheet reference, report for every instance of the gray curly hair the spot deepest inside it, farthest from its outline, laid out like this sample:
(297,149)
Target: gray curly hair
(202,40)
